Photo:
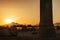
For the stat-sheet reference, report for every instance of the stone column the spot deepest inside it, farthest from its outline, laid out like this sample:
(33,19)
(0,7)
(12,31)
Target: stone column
(46,20)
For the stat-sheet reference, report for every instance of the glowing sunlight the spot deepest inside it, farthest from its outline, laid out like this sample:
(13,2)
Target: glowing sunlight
(9,20)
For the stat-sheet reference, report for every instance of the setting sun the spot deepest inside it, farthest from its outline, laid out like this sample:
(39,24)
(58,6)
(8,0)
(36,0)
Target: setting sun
(9,20)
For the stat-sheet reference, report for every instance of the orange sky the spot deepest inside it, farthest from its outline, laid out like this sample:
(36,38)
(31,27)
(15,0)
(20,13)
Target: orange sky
(25,11)
(56,11)
(22,11)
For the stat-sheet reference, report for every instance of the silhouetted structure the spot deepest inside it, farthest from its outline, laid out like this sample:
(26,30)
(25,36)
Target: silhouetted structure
(13,30)
(4,31)
(58,27)
(46,23)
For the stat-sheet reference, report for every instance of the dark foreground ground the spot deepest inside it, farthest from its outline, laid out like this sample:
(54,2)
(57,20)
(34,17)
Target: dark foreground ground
(26,38)
(34,37)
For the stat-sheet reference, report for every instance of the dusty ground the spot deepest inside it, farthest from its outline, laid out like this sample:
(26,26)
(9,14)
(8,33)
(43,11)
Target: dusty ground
(29,36)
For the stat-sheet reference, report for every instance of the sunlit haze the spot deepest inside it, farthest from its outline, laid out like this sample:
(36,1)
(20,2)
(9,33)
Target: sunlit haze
(56,11)
(20,11)
(25,11)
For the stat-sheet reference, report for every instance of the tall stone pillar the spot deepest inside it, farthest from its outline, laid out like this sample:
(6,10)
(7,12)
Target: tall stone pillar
(46,21)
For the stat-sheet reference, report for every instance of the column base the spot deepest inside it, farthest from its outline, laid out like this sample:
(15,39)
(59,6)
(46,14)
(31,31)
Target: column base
(47,31)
